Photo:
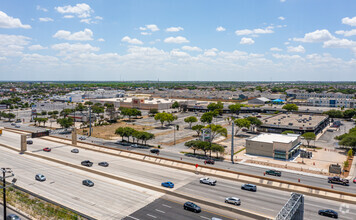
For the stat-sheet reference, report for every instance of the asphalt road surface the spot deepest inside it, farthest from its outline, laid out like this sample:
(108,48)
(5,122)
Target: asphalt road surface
(10,211)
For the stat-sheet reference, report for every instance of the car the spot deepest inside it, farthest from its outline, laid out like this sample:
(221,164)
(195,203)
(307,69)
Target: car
(40,177)
(88,183)
(244,129)
(154,151)
(87,163)
(274,172)
(258,116)
(354,180)
(82,138)
(47,149)
(75,150)
(13,124)
(191,207)
(17,126)
(249,187)
(13,217)
(134,145)
(209,161)
(328,213)
(207,180)
(338,180)
(29,142)
(125,144)
(233,200)
(103,164)
(168,184)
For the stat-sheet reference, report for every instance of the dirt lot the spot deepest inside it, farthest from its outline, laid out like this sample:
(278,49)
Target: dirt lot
(108,131)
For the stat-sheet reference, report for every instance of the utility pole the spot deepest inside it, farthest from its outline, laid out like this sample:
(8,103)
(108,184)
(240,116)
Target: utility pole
(89,121)
(3,187)
(232,143)
(174,131)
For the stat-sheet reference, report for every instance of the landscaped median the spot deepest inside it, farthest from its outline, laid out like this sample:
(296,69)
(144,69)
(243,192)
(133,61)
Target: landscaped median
(160,189)
(217,172)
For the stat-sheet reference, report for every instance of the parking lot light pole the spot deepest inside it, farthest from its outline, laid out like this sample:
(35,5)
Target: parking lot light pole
(3,187)
(232,143)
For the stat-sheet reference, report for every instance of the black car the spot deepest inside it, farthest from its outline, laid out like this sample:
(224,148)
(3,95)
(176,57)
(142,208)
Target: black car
(191,207)
(29,142)
(209,161)
(88,183)
(87,163)
(75,150)
(328,213)
(154,151)
(103,164)
(12,217)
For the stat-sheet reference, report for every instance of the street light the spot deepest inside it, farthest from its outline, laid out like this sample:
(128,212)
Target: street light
(4,186)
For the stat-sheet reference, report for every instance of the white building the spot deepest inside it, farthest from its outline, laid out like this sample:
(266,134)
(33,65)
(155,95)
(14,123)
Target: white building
(332,102)
(303,94)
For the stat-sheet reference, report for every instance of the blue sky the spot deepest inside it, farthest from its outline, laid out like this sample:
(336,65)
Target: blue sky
(230,40)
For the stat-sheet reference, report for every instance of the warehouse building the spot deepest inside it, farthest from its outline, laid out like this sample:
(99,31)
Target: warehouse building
(277,146)
(259,101)
(145,103)
(299,123)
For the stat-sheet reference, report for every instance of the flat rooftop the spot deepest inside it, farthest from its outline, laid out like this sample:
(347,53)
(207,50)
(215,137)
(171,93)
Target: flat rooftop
(270,138)
(129,100)
(294,121)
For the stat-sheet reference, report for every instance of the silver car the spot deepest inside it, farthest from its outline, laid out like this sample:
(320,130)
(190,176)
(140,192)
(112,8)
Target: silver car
(233,200)
(249,187)
(40,177)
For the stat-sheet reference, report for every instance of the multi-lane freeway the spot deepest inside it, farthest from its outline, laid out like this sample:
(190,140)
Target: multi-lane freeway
(130,200)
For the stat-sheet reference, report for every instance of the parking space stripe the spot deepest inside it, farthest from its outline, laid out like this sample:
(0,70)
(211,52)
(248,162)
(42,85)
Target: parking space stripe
(133,217)
(151,216)
(167,206)
(160,211)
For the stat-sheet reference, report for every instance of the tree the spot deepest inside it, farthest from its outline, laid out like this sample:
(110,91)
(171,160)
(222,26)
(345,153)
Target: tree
(192,145)
(235,108)
(43,113)
(207,117)
(241,123)
(309,136)
(111,111)
(349,113)
(65,122)
(216,130)
(215,106)
(88,103)
(175,105)
(334,114)
(217,148)
(350,153)
(65,112)
(255,122)
(128,132)
(171,118)
(80,107)
(290,107)
(190,120)
(120,131)
(10,116)
(288,132)
(162,117)
(230,119)
(198,128)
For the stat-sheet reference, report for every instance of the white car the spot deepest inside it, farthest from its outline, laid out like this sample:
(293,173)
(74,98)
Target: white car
(233,200)
(40,177)
(207,180)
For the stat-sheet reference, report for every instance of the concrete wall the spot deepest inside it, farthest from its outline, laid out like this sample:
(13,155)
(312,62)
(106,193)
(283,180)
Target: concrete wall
(259,148)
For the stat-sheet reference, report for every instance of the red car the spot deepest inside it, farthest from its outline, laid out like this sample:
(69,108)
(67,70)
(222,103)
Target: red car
(47,149)
(354,180)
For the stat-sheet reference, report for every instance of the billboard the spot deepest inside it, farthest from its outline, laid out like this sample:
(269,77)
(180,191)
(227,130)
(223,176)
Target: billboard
(39,134)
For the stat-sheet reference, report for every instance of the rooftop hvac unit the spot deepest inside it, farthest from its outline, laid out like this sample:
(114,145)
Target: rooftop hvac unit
(300,115)
(290,124)
(274,123)
(309,123)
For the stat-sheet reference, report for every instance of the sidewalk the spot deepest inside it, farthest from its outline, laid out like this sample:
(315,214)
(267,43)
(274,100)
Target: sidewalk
(352,172)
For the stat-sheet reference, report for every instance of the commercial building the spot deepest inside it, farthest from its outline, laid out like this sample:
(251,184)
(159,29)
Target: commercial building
(299,123)
(259,101)
(303,94)
(277,146)
(138,102)
(332,102)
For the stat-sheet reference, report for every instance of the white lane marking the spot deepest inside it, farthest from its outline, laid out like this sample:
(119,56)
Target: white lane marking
(160,211)
(167,206)
(268,209)
(151,216)
(132,217)
(204,217)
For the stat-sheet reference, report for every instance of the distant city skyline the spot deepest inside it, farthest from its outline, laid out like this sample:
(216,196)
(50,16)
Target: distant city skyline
(202,40)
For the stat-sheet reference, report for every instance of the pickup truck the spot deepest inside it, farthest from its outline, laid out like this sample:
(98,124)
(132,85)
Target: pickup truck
(274,172)
(207,180)
(338,180)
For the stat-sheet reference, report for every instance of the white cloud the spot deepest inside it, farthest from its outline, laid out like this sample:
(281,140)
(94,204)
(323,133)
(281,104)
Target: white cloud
(256,31)
(10,22)
(39,8)
(246,40)
(45,19)
(287,57)
(85,35)
(37,47)
(298,49)
(98,17)
(220,28)
(68,16)
(286,43)
(282,0)
(12,45)
(340,43)
(66,48)
(174,29)
(151,27)
(275,49)
(176,40)
(101,40)
(81,10)
(146,33)
(189,48)
(40,59)
(349,21)
(316,36)
(86,20)
(281,18)
(131,40)
(211,52)
(178,53)
(347,33)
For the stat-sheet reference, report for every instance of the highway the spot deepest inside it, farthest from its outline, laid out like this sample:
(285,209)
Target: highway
(10,211)
(265,200)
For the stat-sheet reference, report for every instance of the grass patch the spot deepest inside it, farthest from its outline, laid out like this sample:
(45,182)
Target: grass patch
(240,151)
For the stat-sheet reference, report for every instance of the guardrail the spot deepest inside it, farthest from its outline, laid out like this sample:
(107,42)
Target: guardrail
(205,201)
(219,172)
